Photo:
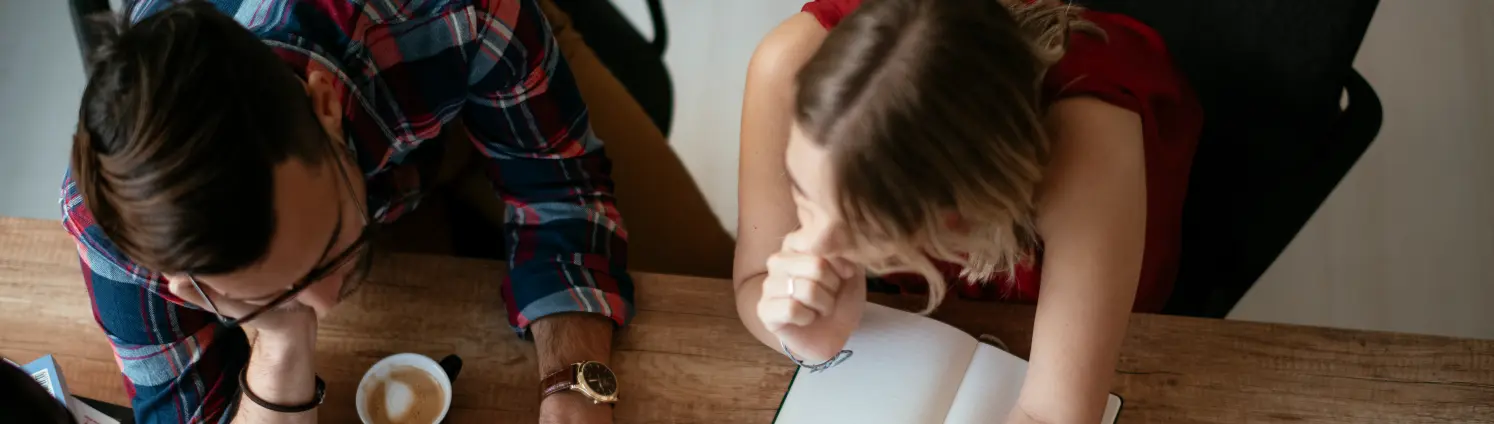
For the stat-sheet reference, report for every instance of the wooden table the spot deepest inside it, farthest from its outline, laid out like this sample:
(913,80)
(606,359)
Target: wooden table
(686,357)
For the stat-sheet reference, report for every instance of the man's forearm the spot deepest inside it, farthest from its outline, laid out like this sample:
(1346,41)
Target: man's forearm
(282,371)
(565,339)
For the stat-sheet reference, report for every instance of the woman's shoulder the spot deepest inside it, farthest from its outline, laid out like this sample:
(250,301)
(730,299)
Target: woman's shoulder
(786,47)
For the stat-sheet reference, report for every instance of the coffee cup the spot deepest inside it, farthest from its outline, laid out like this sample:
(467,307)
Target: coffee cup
(407,388)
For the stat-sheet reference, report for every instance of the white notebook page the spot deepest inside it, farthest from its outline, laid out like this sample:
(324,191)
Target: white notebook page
(992,385)
(990,388)
(905,370)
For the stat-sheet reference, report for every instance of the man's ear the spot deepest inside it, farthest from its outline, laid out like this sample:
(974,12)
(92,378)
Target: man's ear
(326,102)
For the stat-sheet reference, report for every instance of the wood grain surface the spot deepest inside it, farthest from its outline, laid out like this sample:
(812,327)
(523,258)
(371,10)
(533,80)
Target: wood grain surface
(686,358)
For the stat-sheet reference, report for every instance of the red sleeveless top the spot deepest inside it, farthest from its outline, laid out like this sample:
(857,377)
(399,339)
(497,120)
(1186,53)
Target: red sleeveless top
(1132,70)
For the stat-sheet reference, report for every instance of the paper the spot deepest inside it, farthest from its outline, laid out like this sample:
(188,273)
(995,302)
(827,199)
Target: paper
(990,388)
(902,371)
(86,414)
(909,369)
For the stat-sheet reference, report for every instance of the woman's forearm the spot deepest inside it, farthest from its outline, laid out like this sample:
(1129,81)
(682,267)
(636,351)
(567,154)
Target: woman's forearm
(1092,218)
(1073,359)
(748,293)
(765,205)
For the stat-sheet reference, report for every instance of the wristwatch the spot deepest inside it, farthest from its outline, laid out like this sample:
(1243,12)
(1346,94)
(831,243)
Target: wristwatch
(592,379)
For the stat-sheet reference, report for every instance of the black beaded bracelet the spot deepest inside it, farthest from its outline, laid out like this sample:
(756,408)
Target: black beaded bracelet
(321,392)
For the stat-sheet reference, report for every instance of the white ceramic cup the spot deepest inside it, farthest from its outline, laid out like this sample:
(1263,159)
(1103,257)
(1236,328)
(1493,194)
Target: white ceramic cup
(380,371)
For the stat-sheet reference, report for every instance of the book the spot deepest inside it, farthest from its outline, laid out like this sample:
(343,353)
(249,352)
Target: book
(44,370)
(910,369)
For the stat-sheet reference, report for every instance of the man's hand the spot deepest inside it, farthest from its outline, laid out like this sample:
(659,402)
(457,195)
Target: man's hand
(565,339)
(282,362)
(573,408)
(811,303)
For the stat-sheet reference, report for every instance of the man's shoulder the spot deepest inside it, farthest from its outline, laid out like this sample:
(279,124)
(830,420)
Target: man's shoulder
(95,249)
(76,218)
(261,16)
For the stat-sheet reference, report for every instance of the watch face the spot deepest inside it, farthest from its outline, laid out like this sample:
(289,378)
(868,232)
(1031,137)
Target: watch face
(599,378)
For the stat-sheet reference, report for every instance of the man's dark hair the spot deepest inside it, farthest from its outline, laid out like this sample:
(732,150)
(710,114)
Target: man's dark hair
(185,116)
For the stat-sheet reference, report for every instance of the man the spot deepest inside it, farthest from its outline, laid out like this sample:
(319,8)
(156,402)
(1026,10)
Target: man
(234,158)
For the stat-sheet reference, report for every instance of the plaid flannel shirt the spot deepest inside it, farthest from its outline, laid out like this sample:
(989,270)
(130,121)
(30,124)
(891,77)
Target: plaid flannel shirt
(404,71)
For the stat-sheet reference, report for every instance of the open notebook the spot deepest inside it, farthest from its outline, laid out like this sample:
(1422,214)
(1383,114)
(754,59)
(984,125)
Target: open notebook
(910,369)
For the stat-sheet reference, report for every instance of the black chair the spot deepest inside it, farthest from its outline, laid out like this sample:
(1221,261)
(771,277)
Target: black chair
(1276,140)
(637,63)
(81,11)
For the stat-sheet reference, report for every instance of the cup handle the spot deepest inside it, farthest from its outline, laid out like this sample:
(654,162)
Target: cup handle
(452,364)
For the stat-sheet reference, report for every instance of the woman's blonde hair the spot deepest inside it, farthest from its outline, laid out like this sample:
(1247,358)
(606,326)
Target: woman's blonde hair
(931,113)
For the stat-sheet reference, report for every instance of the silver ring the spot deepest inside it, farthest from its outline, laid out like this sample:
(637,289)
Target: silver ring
(791,287)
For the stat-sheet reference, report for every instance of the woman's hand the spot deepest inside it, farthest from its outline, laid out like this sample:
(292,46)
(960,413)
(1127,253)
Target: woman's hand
(812,303)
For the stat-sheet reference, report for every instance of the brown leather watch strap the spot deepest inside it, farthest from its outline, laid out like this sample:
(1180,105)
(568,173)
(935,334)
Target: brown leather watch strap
(558,381)
(321,393)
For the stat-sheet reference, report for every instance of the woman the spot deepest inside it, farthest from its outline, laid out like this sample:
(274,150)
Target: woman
(993,145)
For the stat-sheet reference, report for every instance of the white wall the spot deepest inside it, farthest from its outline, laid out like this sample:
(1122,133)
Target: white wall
(710,43)
(1406,241)
(41,80)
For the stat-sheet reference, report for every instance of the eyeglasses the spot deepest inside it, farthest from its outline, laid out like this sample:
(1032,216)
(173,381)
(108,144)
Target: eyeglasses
(359,254)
